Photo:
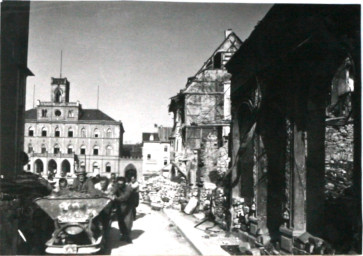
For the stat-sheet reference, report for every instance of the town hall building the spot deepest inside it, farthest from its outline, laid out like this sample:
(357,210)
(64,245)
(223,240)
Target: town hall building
(61,135)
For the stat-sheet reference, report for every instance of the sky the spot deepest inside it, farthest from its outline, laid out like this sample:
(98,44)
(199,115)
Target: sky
(139,53)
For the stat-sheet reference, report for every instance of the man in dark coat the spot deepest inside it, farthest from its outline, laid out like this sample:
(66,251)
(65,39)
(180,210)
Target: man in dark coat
(124,207)
(83,184)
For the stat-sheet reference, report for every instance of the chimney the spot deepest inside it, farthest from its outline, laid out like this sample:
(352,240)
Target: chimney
(227,33)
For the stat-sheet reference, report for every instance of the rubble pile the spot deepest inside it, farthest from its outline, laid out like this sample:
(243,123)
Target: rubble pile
(161,192)
(338,159)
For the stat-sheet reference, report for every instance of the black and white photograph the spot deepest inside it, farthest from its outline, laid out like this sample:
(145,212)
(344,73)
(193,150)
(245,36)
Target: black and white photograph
(180,128)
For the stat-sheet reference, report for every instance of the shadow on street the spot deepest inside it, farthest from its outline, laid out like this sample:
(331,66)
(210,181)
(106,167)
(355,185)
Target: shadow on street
(113,239)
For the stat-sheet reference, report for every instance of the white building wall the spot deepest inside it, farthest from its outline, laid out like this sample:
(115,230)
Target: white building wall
(158,154)
(76,141)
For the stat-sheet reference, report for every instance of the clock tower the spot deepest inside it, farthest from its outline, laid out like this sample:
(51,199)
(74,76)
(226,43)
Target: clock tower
(60,90)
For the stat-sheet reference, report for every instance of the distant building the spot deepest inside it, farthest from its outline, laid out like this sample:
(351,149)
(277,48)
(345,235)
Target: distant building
(61,135)
(156,150)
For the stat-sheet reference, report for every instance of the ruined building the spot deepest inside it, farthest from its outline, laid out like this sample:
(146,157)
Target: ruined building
(202,114)
(296,127)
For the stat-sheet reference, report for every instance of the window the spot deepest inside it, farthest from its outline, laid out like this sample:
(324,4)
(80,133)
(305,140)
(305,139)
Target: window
(70,149)
(95,151)
(28,167)
(97,133)
(95,167)
(58,96)
(30,148)
(82,164)
(108,167)
(57,132)
(44,149)
(44,132)
(83,150)
(148,156)
(31,132)
(217,60)
(70,132)
(56,149)
(83,132)
(70,113)
(109,133)
(165,148)
(165,162)
(108,150)
(44,113)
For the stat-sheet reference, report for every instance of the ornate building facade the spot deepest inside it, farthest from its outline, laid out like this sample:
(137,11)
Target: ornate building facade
(61,135)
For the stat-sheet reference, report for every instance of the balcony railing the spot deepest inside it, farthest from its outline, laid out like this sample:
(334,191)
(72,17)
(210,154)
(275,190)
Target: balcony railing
(57,155)
(50,103)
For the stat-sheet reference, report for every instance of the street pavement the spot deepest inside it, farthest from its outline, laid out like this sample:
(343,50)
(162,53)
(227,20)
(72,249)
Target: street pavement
(152,234)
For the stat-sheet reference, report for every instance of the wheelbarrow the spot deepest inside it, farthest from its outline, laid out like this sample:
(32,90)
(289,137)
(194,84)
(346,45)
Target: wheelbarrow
(80,223)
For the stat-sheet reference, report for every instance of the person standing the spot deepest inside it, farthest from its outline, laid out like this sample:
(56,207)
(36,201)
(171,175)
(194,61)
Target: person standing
(124,206)
(83,184)
(135,194)
(104,186)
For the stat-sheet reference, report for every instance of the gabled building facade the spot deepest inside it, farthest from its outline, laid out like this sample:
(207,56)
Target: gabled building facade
(156,151)
(61,135)
(202,109)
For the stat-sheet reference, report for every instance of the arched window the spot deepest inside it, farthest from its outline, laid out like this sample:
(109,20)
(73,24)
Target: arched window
(108,150)
(70,149)
(95,167)
(83,132)
(58,96)
(43,149)
(31,132)
(30,148)
(57,132)
(83,150)
(108,167)
(70,132)
(96,150)
(96,133)
(109,133)
(44,132)
(56,149)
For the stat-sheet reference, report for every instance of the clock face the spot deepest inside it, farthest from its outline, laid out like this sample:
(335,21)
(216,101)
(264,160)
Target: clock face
(57,112)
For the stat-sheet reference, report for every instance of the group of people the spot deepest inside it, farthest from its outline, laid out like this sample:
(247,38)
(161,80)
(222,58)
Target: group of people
(123,191)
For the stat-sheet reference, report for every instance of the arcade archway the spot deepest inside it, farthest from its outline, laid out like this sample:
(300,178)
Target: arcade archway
(52,166)
(38,166)
(130,170)
(66,166)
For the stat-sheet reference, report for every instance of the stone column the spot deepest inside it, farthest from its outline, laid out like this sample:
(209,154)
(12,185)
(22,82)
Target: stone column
(295,173)
(236,190)
(258,224)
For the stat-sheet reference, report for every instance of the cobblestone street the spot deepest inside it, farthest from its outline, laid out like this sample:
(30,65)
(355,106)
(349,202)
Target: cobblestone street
(152,234)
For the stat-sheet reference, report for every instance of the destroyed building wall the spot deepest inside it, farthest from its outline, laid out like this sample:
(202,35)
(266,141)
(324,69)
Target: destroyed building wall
(338,159)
